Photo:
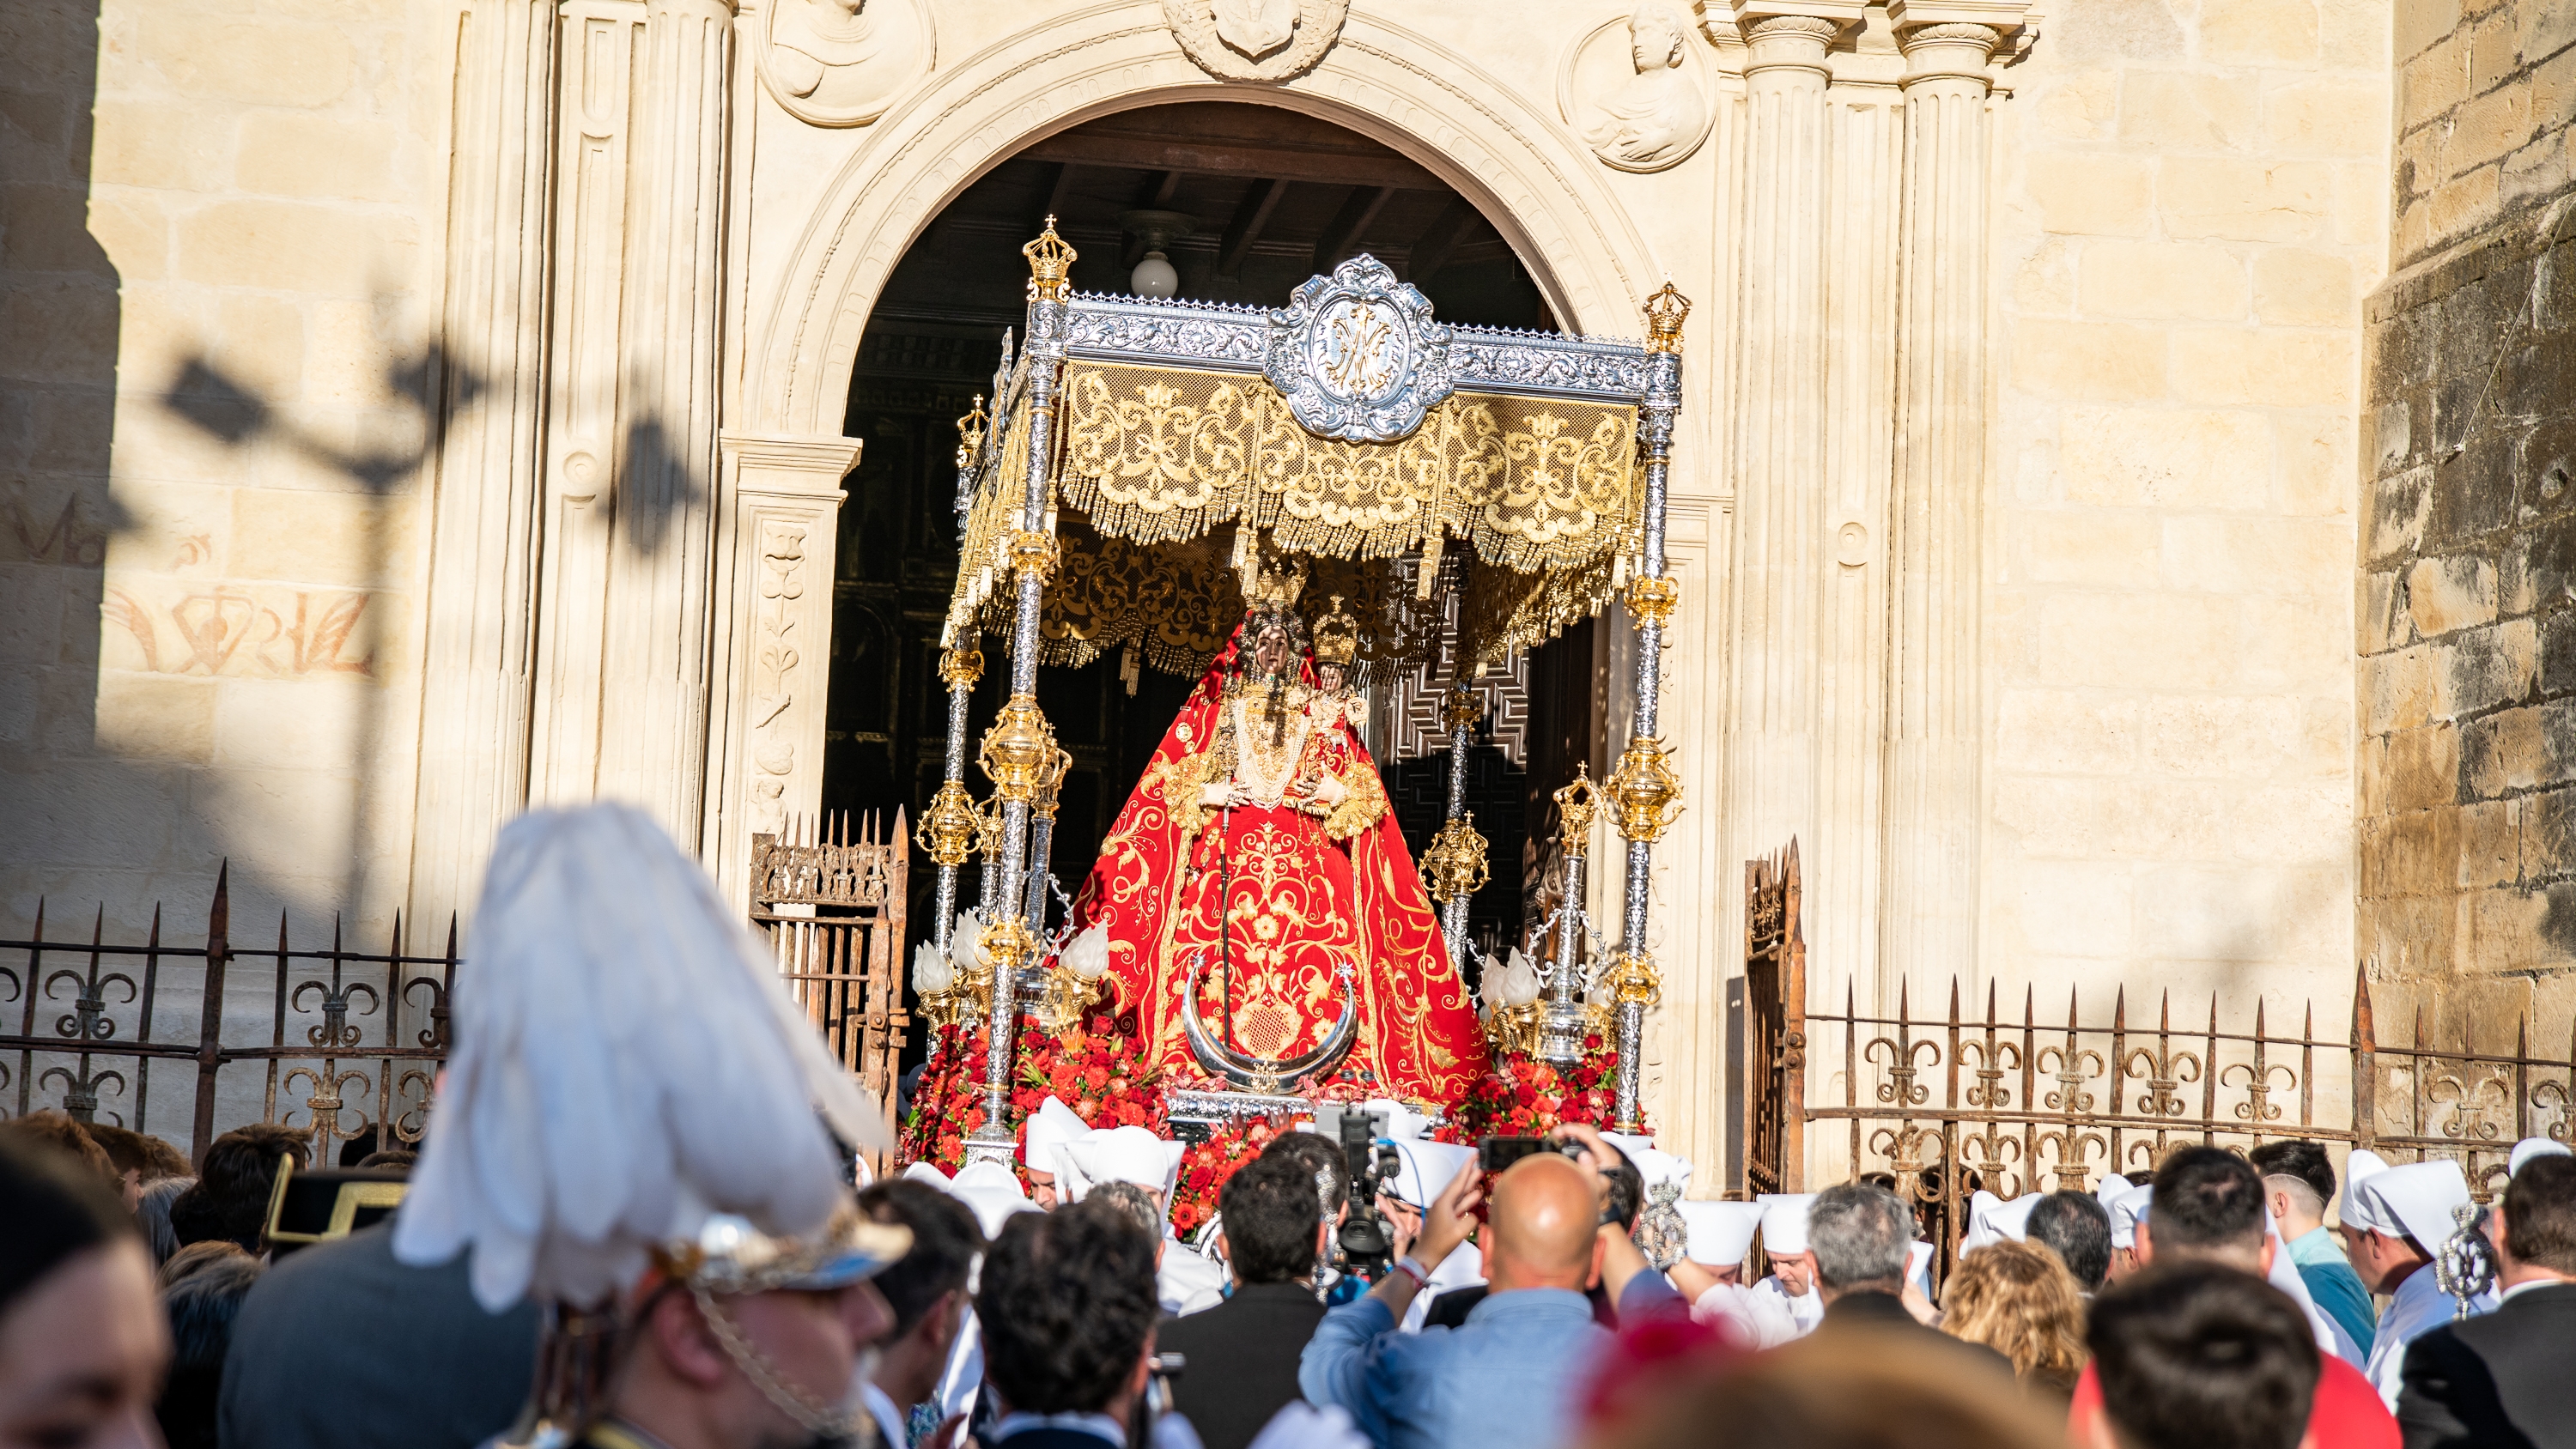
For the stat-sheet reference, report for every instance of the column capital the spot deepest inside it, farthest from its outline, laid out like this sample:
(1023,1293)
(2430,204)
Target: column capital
(1952,50)
(1924,24)
(784,464)
(1788,41)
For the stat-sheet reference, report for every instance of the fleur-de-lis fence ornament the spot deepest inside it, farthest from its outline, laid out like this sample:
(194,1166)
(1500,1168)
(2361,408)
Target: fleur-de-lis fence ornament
(1910,1150)
(80,1092)
(88,1020)
(2069,1144)
(434,1035)
(1993,1059)
(2163,1069)
(1991,1151)
(2478,1108)
(414,1122)
(2075,1065)
(334,1032)
(325,1103)
(2257,1106)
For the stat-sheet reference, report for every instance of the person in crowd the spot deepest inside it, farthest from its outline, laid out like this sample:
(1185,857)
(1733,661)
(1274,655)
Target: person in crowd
(139,1160)
(394,1159)
(926,1292)
(230,1197)
(1508,1377)
(1859,1237)
(64,1134)
(2208,1209)
(1184,1281)
(152,1215)
(416,1363)
(1861,1389)
(2395,1219)
(2193,1354)
(1626,1190)
(1051,1126)
(2298,1182)
(2018,1299)
(1329,1171)
(2503,1378)
(1789,1289)
(1067,1303)
(196,1258)
(202,1300)
(82,1343)
(1240,1358)
(2077,1228)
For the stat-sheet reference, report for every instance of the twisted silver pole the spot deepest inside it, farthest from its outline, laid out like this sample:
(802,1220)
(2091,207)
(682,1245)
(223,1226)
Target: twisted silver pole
(1453,912)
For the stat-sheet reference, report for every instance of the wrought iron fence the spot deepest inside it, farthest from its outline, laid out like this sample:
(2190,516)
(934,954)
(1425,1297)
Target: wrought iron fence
(1939,1106)
(831,906)
(358,1034)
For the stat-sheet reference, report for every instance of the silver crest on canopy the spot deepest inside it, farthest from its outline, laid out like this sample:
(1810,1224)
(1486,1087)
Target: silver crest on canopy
(1357,355)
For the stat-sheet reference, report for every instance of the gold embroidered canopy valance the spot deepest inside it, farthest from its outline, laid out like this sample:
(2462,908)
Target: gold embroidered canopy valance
(1347,428)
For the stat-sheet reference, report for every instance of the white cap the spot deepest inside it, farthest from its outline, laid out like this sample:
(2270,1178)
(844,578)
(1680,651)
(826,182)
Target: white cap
(1051,1126)
(1784,1221)
(1721,1233)
(1918,1266)
(2359,1167)
(1123,1154)
(2127,1211)
(992,1191)
(1991,1219)
(1651,1165)
(1428,1167)
(2112,1186)
(2415,1201)
(2531,1147)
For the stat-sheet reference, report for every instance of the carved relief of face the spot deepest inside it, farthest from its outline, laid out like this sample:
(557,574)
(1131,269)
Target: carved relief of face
(1655,39)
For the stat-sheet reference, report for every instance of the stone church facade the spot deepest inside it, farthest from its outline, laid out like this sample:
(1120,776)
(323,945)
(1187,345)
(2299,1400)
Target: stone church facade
(420,409)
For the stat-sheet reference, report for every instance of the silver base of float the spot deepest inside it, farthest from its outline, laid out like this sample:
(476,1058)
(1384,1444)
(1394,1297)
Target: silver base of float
(1197,1114)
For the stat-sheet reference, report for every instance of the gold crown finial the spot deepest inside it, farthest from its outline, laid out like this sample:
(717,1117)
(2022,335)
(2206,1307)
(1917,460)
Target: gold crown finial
(1276,590)
(1337,636)
(1050,262)
(970,434)
(1664,313)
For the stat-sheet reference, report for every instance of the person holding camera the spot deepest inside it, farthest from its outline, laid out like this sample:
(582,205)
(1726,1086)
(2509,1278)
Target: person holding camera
(1508,1378)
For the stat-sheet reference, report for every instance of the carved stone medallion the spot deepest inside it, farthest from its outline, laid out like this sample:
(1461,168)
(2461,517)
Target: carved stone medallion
(1357,355)
(842,62)
(1255,40)
(1637,90)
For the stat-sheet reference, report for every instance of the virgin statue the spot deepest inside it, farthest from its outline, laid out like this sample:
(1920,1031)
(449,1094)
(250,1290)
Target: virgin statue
(1255,889)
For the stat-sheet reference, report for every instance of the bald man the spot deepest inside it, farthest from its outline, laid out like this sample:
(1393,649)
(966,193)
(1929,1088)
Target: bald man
(1508,1377)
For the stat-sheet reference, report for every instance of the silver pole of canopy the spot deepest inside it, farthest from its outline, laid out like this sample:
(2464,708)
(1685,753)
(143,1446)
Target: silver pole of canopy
(948,828)
(1643,789)
(1453,865)
(1020,750)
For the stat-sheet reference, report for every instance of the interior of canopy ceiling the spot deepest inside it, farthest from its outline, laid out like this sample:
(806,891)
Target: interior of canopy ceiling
(1271,197)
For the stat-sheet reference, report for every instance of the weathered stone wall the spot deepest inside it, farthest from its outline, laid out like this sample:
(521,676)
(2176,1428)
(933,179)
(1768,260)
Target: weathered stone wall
(218,221)
(2194,205)
(2467,813)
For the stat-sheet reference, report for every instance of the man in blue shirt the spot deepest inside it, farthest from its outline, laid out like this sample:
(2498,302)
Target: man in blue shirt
(1509,1377)
(2298,1182)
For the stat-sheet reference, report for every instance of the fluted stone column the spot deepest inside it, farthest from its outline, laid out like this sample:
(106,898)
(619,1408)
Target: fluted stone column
(1928,915)
(1778,462)
(653,726)
(475,690)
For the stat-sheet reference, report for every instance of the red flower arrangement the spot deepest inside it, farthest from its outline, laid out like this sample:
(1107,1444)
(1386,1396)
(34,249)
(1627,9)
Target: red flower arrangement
(1524,1097)
(1206,1166)
(1096,1069)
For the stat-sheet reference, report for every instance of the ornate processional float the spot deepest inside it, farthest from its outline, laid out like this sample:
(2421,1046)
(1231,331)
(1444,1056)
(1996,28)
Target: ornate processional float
(1285,504)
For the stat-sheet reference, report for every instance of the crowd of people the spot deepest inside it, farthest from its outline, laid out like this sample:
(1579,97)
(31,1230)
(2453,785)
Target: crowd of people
(709,1266)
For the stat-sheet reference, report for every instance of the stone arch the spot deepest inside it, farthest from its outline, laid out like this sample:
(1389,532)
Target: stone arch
(1471,128)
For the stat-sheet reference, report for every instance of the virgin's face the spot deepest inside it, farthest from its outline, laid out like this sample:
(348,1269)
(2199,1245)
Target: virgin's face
(1270,651)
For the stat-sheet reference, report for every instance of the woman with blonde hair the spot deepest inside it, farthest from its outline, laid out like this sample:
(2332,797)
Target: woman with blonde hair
(2018,1299)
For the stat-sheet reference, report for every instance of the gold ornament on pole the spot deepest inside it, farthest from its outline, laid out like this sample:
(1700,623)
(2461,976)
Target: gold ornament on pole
(1461,708)
(1052,781)
(1034,548)
(1631,976)
(970,434)
(1051,262)
(1664,313)
(1019,750)
(1005,943)
(961,667)
(948,828)
(1645,789)
(1576,805)
(1453,865)
(1651,599)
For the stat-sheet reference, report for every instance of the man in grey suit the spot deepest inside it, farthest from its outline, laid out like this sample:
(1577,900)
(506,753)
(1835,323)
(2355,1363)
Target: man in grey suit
(340,1345)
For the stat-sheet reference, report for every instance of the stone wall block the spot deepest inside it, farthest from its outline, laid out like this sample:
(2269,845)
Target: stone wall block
(2420,23)
(2187,111)
(2259,32)
(2537,170)
(2243,200)
(2067,731)
(2378,623)
(2497,754)
(2558,653)
(2302,288)
(2446,594)
(2543,30)
(2502,930)
(2263,368)
(2397,690)
(2544,460)
(2422,766)
(2486,667)
(2198,459)
(2487,128)
(2161,280)
(2490,851)
(2549,834)
(2092,194)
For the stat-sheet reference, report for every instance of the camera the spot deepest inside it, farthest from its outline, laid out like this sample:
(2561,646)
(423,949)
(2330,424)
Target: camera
(1364,1247)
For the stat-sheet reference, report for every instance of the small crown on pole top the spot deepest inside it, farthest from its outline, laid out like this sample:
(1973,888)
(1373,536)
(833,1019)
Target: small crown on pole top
(1050,263)
(970,434)
(1664,313)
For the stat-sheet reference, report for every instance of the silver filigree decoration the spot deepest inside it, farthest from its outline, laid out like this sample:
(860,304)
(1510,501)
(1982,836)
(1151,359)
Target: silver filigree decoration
(1139,329)
(1357,355)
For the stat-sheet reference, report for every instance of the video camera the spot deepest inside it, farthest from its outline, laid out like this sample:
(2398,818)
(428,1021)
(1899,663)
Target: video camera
(1364,1246)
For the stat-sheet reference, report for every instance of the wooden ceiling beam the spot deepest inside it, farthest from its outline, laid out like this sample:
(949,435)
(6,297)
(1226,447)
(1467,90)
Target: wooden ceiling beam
(1343,233)
(1056,185)
(1431,252)
(1211,158)
(1250,216)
